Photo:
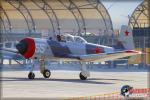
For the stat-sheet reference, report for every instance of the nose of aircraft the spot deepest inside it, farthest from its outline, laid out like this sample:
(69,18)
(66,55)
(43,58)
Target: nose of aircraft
(26,47)
(22,47)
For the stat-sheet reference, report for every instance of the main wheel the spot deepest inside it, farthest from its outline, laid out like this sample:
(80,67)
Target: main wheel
(31,75)
(46,73)
(82,77)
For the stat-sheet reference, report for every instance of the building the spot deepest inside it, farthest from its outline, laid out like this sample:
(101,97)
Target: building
(139,21)
(43,18)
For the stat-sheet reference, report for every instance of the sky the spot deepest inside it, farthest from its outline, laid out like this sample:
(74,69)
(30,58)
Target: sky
(119,10)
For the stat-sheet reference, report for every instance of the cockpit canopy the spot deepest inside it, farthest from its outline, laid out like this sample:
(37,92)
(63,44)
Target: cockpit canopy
(71,38)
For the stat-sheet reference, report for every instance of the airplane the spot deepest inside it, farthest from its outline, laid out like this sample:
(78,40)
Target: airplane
(72,48)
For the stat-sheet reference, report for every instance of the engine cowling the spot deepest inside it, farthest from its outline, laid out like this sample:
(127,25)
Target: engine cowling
(26,47)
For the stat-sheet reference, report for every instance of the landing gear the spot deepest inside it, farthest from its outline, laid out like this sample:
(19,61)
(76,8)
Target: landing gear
(46,73)
(31,75)
(84,71)
(82,77)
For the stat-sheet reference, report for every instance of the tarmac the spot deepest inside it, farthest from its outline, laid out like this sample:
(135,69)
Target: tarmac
(66,84)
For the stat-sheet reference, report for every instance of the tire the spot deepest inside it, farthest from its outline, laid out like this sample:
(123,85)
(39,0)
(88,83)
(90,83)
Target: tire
(82,77)
(31,75)
(46,73)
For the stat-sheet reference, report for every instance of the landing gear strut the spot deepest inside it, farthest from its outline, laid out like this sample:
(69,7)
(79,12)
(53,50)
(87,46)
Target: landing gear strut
(84,71)
(46,73)
(31,75)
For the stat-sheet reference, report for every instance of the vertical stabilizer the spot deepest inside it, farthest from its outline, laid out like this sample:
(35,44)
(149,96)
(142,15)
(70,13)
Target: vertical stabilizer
(126,37)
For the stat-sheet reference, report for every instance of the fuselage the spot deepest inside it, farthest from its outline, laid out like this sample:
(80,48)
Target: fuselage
(48,48)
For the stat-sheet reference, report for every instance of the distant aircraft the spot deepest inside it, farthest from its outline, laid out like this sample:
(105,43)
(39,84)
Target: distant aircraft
(72,48)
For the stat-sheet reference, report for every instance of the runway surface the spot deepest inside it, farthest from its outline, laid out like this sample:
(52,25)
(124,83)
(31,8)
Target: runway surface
(64,84)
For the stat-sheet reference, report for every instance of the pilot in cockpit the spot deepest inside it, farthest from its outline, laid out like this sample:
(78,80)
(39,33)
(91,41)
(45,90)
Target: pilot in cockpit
(70,38)
(61,38)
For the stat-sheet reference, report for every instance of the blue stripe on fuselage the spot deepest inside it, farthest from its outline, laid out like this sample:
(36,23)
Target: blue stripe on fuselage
(58,49)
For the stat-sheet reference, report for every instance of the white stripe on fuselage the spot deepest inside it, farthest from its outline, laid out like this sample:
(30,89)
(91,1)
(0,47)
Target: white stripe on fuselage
(107,49)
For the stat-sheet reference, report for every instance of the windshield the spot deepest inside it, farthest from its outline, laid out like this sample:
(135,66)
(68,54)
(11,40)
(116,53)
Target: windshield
(71,38)
(79,39)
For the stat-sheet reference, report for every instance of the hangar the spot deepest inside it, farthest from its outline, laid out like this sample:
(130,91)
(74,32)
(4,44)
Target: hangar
(47,17)
(139,21)
(140,16)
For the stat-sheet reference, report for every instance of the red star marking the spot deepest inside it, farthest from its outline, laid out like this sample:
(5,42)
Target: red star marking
(97,50)
(126,33)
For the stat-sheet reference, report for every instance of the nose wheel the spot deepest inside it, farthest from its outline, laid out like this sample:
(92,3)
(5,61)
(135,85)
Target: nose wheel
(46,73)
(31,75)
(82,77)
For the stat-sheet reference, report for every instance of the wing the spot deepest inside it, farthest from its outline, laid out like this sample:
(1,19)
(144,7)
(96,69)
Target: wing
(99,57)
(108,56)
(9,53)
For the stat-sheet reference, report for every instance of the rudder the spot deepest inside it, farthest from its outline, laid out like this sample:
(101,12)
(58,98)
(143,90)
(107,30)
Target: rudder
(126,37)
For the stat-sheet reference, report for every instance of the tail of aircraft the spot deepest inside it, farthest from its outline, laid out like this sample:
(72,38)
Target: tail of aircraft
(125,40)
